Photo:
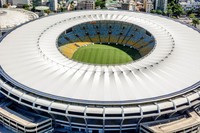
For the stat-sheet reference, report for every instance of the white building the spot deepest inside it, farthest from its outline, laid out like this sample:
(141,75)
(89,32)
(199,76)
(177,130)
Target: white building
(21,2)
(128,5)
(44,2)
(10,18)
(132,5)
(190,4)
(85,5)
(148,5)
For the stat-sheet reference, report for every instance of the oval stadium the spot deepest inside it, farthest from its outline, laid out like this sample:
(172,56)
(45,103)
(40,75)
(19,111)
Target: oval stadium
(101,72)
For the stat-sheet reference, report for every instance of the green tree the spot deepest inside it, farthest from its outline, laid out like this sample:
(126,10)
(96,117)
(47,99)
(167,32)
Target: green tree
(153,11)
(164,13)
(47,11)
(195,22)
(190,11)
(62,9)
(175,8)
(174,17)
(33,9)
(198,12)
(5,6)
(100,3)
(192,15)
(175,1)
(178,10)
(26,7)
(159,12)
(169,12)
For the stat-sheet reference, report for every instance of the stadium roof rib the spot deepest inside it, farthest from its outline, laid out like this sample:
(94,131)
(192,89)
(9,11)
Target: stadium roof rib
(31,58)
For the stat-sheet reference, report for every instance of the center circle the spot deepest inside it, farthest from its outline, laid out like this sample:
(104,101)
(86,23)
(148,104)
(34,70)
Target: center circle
(105,42)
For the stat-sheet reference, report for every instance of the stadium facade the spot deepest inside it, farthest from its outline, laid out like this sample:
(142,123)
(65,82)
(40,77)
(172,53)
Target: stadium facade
(146,95)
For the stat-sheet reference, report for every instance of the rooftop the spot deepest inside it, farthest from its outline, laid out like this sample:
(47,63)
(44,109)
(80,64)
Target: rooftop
(177,125)
(35,63)
(10,18)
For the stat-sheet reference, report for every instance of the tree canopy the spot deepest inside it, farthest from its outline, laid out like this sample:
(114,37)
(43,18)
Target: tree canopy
(26,7)
(195,22)
(174,8)
(5,6)
(192,15)
(100,3)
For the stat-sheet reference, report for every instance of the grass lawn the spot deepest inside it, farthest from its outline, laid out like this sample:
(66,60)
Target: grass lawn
(101,54)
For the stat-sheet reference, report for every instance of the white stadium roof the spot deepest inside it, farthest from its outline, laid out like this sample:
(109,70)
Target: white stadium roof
(29,55)
(10,18)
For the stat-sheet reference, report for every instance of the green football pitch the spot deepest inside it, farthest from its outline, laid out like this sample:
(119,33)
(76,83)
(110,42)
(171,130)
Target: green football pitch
(101,54)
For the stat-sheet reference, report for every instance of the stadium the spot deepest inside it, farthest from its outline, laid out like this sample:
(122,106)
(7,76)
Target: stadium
(101,71)
(12,17)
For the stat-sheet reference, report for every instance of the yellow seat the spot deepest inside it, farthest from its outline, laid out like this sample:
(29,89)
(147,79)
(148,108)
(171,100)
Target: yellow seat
(121,39)
(113,39)
(144,51)
(69,49)
(104,38)
(95,38)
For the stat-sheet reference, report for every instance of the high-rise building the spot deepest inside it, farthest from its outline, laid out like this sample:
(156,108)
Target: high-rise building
(128,5)
(54,5)
(148,5)
(46,88)
(125,6)
(2,2)
(190,5)
(85,5)
(160,5)
(20,2)
(132,5)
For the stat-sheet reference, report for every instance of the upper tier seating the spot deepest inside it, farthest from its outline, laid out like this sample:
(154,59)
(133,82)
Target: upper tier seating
(109,32)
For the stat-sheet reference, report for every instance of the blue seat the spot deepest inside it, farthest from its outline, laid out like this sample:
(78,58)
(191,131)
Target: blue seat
(62,41)
(91,30)
(103,29)
(80,32)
